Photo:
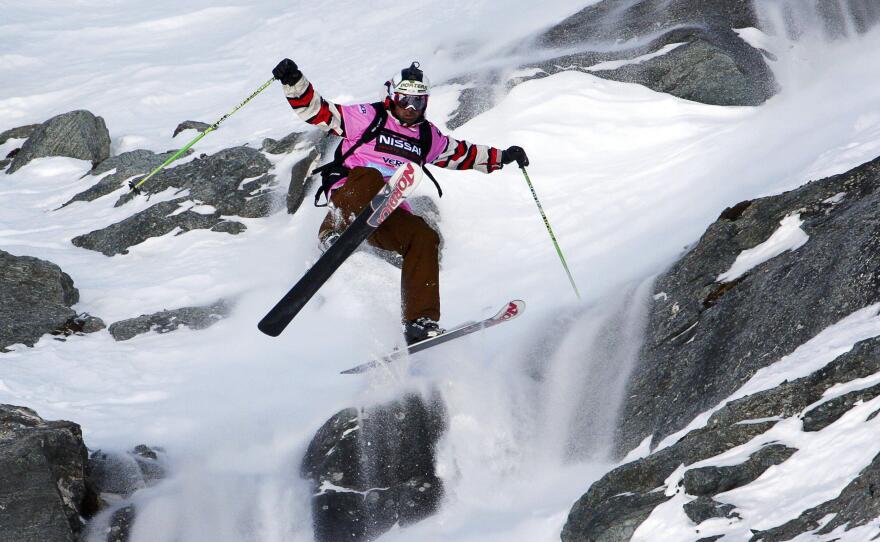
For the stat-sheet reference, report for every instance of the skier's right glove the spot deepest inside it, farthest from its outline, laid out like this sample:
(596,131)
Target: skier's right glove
(287,72)
(514,154)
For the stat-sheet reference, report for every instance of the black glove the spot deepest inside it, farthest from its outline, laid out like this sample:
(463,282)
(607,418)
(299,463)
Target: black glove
(516,154)
(287,72)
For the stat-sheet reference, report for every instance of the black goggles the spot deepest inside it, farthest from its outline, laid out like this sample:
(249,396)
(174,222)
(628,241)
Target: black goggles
(410,101)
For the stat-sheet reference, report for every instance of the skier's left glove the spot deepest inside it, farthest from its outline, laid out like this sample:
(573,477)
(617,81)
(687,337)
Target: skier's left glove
(287,72)
(516,154)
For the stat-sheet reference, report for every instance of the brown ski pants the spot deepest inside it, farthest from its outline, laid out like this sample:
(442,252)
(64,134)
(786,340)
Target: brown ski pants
(402,232)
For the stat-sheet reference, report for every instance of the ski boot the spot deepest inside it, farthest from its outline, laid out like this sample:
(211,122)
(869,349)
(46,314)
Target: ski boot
(421,329)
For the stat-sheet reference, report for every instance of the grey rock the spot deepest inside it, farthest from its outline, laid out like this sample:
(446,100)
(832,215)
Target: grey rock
(610,509)
(620,501)
(78,134)
(121,474)
(373,469)
(857,505)
(121,523)
(705,339)
(43,490)
(156,221)
(715,66)
(699,71)
(235,182)
(170,320)
(709,481)
(191,125)
(473,101)
(829,412)
(301,183)
(35,299)
(127,165)
(789,288)
(283,146)
(20,132)
(704,508)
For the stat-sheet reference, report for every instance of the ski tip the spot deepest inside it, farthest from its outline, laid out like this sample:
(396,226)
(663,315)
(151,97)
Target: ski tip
(511,310)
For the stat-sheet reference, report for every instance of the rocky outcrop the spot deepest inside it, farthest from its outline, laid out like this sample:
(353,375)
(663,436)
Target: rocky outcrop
(35,299)
(20,132)
(374,468)
(43,488)
(191,125)
(706,338)
(686,48)
(232,182)
(115,478)
(617,504)
(857,505)
(169,320)
(713,65)
(126,165)
(77,134)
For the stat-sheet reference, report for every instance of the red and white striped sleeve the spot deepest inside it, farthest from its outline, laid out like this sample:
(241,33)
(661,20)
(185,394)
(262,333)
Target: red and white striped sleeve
(314,109)
(459,154)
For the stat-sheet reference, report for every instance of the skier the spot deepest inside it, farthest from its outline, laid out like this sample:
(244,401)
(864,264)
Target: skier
(375,143)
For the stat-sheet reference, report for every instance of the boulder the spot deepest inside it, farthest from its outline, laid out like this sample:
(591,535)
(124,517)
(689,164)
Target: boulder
(77,134)
(301,183)
(35,299)
(126,165)
(232,182)
(830,411)
(20,132)
(191,125)
(703,508)
(115,477)
(374,468)
(166,321)
(43,489)
(714,65)
(707,337)
(160,219)
(710,481)
(283,146)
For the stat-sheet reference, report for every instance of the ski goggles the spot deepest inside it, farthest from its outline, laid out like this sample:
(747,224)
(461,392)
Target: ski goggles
(410,101)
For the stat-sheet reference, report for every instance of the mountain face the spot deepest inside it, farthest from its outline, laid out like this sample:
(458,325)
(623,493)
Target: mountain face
(686,48)
(759,364)
(745,350)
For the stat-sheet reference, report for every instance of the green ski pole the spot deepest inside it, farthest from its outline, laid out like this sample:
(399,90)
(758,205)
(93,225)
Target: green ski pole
(550,231)
(134,186)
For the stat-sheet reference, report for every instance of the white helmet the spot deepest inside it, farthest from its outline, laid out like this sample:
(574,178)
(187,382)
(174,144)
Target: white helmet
(410,81)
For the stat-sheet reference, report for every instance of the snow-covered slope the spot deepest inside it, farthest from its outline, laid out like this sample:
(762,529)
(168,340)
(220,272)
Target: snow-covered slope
(628,177)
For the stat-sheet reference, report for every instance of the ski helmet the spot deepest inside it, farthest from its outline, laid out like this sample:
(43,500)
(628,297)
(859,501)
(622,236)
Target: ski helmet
(409,81)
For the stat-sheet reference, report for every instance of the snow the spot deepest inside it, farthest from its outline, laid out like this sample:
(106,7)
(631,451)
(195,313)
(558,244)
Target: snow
(825,463)
(788,237)
(811,356)
(614,64)
(627,177)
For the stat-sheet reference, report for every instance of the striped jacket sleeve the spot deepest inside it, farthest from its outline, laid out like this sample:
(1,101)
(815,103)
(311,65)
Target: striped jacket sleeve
(459,154)
(314,109)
